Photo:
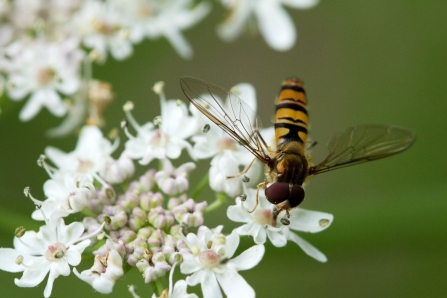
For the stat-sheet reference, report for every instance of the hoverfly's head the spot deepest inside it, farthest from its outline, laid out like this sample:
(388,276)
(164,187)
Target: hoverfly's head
(279,192)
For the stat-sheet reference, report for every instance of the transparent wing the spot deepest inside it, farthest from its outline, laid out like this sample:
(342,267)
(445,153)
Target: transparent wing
(235,117)
(364,143)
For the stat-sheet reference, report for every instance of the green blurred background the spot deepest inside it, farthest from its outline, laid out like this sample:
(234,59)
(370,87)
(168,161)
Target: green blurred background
(362,62)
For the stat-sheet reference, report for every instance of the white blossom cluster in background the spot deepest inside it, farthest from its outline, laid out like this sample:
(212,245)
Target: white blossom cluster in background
(47,46)
(154,222)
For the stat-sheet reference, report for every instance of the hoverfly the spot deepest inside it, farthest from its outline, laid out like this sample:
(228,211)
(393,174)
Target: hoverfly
(288,166)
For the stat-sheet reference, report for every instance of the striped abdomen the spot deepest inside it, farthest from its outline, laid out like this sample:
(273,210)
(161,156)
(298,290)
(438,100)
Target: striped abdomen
(291,113)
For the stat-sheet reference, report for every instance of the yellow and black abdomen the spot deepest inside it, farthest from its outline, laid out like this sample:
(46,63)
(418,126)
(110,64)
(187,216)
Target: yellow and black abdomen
(291,113)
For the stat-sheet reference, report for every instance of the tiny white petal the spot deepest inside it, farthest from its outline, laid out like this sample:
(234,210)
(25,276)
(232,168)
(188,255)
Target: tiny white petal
(307,247)
(249,258)
(234,285)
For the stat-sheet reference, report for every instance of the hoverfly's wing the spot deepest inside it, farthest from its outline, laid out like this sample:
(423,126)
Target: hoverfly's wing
(235,117)
(364,143)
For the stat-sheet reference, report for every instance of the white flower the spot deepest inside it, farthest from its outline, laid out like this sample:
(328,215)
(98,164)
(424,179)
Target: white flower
(104,272)
(275,24)
(166,141)
(91,156)
(228,154)
(103,28)
(260,223)
(173,16)
(211,263)
(173,181)
(176,291)
(52,250)
(65,195)
(43,70)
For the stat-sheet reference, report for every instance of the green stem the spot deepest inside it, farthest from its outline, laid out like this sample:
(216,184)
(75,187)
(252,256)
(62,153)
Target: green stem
(221,198)
(199,188)
(159,288)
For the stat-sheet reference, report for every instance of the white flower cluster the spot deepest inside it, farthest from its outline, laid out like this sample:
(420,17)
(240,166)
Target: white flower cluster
(152,223)
(46,46)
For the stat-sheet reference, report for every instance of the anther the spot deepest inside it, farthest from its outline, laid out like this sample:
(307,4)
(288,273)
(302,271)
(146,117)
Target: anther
(285,221)
(128,106)
(158,87)
(157,120)
(113,134)
(206,128)
(19,232)
(110,194)
(209,244)
(243,197)
(245,179)
(107,220)
(26,191)
(19,260)
(41,160)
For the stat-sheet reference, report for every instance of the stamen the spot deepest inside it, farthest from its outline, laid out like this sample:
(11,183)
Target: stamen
(27,245)
(94,233)
(171,274)
(100,180)
(245,179)
(158,120)
(133,291)
(128,107)
(158,87)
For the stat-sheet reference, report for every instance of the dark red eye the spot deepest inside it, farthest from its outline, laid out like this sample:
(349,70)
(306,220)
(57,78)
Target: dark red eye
(277,192)
(296,196)
(280,191)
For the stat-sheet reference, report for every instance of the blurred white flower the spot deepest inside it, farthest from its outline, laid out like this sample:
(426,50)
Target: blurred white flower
(227,154)
(52,250)
(166,141)
(275,25)
(211,265)
(65,195)
(260,224)
(102,28)
(104,272)
(170,17)
(43,70)
(91,157)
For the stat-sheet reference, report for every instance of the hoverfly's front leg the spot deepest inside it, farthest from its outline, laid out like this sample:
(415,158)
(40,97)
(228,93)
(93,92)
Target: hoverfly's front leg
(244,171)
(260,185)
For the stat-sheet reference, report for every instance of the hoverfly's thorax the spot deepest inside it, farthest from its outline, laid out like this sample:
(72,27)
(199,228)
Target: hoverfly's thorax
(291,165)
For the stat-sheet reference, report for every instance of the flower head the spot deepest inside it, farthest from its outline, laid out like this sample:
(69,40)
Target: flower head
(260,224)
(52,250)
(274,23)
(211,265)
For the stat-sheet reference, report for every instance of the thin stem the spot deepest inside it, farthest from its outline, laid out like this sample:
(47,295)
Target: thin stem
(159,288)
(199,188)
(221,198)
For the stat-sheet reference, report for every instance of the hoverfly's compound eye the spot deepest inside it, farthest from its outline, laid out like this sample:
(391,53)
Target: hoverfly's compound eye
(296,196)
(277,192)
(280,191)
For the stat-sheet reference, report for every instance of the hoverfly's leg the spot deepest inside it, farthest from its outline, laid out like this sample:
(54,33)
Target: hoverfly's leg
(311,145)
(260,185)
(262,140)
(244,171)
